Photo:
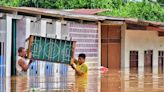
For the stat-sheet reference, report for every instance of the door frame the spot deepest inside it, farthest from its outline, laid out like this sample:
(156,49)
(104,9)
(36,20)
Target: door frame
(146,68)
(13,51)
(122,28)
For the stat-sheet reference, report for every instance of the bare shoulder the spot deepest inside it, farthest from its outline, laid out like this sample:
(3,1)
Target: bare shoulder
(21,61)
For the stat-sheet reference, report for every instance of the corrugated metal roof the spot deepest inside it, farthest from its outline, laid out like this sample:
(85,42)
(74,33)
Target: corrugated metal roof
(144,22)
(58,13)
(71,15)
(88,11)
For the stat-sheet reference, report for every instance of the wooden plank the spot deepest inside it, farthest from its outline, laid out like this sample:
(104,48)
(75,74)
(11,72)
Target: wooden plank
(114,47)
(104,53)
(104,45)
(155,29)
(114,55)
(29,46)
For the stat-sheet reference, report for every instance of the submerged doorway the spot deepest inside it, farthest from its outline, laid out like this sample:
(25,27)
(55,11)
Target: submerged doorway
(111,46)
(160,61)
(148,61)
(134,62)
(13,49)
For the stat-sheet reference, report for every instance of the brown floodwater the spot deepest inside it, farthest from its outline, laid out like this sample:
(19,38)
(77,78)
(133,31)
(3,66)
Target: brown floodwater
(110,81)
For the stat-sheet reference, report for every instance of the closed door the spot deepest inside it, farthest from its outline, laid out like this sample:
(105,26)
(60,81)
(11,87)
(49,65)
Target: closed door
(111,46)
(133,61)
(104,46)
(148,60)
(161,61)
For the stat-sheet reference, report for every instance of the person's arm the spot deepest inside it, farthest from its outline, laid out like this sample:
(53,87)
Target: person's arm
(73,63)
(23,65)
(83,70)
(79,72)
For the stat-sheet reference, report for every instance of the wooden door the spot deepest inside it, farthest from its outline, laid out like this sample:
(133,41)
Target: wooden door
(111,46)
(114,47)
(148,59)
(104,46)
(160,61)
(133,61)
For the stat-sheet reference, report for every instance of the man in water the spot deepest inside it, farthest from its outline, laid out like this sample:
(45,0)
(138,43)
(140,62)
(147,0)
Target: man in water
(21,65)
(81,72)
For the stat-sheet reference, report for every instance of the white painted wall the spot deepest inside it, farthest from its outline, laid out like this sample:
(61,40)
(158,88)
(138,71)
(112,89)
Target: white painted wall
(8,45)
(54,30)
(21,33)
(2,30)
(43,34)
(142,40)
(8,51)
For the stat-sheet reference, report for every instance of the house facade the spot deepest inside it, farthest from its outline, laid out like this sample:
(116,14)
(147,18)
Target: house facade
(115,43)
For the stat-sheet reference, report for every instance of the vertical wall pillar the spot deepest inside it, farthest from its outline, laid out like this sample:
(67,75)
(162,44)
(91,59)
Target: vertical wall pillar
(141,69)
(56,66)
(58,29)
(155,69)
(42,64)
(125,52)
(27,34)
(99,52)
(155,62)
(125,63)
(8,51)
(43,33)
(141,62)
(28,23)
(123,29)
(8,45)
(58,33)
(99,44)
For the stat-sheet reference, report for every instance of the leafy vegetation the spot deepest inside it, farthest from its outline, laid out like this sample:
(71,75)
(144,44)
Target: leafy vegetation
(141,10)
(120,8)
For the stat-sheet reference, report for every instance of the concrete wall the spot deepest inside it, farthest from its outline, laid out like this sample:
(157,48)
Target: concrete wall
(87,39)
(21,33)
(142,40)
(2,30)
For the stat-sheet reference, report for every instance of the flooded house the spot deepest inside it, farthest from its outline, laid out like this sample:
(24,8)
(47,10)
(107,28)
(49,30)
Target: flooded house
(124,44)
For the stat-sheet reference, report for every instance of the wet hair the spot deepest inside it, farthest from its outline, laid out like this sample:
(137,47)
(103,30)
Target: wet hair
(20,49)
(82,55)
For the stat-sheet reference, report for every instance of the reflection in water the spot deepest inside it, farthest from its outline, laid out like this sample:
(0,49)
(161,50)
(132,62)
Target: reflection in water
(2,84)
(111,81)
(81,83)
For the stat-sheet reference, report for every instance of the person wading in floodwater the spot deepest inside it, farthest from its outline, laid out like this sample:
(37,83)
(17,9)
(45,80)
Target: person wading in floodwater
(81,72)
(21,65)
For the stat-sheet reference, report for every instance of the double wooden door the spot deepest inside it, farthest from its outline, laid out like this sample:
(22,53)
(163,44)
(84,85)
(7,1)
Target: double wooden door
(111,46)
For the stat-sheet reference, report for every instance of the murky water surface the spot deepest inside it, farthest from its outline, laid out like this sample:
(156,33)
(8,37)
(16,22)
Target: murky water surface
(111,81)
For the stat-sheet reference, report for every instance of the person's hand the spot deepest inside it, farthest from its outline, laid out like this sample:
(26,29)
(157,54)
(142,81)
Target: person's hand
(30,61)
(72,65)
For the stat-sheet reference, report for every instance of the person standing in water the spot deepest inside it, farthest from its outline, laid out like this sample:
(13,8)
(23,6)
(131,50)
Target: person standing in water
(81,72)
(21,65)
